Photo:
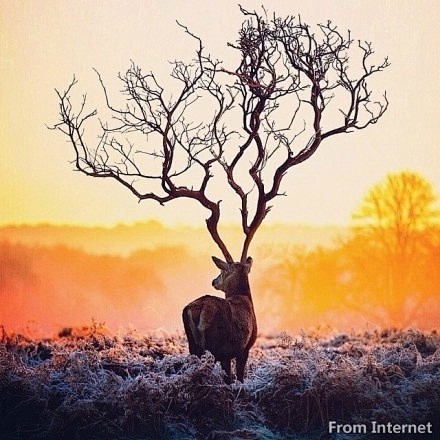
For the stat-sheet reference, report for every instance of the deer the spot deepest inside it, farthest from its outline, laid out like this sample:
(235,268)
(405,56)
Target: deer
(155,150)
(227,327)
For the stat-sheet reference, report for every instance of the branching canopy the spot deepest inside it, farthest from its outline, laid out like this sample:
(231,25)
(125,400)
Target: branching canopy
(266,115)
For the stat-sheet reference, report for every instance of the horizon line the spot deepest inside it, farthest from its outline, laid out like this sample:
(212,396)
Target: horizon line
(175,224)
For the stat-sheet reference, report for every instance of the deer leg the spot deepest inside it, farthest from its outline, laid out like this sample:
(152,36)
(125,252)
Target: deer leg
(192,344)
(241,364)
(226,365)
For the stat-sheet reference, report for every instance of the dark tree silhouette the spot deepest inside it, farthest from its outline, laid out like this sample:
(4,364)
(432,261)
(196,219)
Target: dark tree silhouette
(261,117)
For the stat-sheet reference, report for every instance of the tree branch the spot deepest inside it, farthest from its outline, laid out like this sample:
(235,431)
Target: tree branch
(279,94)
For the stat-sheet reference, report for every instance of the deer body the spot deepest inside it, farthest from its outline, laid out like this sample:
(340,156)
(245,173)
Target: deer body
(225,327)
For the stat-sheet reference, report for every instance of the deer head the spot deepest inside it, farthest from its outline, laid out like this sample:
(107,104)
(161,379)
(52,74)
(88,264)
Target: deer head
(233,278)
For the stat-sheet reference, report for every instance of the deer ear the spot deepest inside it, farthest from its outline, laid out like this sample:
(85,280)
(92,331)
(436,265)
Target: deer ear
(220,264)
(248,263)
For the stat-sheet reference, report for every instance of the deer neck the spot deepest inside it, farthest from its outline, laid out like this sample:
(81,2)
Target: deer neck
(242,287)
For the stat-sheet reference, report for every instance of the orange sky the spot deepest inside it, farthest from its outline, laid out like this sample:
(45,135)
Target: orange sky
(42,44)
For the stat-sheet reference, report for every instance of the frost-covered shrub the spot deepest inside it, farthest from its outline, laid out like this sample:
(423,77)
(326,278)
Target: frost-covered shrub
(92,385)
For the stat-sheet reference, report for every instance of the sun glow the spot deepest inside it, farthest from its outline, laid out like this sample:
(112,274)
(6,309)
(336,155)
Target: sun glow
(141,276)
(42,48)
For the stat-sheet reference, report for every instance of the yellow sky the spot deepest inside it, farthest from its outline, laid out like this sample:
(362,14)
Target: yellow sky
(42,44)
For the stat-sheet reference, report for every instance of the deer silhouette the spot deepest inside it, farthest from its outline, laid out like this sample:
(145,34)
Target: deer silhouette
(225,327)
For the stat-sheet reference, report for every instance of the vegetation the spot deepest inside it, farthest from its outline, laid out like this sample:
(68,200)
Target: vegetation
(91,384)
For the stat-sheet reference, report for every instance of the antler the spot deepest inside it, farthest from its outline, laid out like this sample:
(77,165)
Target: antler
(182,148)
(281,62)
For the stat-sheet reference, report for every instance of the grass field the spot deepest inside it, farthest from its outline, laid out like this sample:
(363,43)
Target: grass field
(89,384)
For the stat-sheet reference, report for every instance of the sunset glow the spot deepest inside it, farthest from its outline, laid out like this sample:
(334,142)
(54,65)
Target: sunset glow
(53,278)
(219,220)
(75,249)
(44,45)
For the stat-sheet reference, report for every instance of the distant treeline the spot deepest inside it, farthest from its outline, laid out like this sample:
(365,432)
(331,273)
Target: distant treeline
(58,286)
(342,286)
(125,239)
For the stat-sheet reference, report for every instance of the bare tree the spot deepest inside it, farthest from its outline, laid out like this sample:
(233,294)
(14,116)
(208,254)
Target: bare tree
(154,146)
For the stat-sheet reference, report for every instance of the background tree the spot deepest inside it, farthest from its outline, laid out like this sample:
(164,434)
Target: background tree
(395,245)
(305,287)
(385,271)
(244,126)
